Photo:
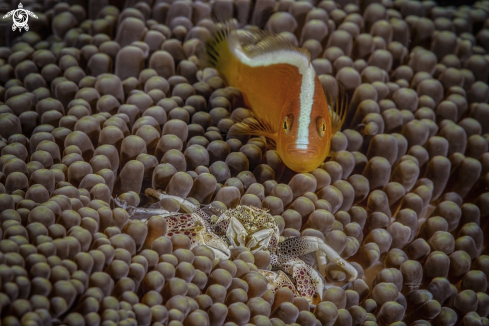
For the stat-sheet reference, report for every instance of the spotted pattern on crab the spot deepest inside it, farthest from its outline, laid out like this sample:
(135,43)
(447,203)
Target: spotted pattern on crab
(252,219)
(304,282)
(293,247)
(206,219)
(273,243)
(221,228)
(274,260)
(305,279)
(185,224)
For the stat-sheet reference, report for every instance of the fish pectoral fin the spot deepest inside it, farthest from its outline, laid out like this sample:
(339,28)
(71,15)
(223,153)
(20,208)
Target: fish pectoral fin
(338,108)
(253,127)
(271,143)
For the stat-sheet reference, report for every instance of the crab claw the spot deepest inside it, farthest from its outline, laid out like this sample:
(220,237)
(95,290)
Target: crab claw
(121,203)
(259,240)
(124,205)
(332,255)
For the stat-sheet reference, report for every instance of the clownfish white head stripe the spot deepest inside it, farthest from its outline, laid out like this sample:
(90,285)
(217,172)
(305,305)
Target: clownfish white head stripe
(306,100)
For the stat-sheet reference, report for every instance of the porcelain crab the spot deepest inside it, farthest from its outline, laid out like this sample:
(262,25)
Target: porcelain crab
(255,229)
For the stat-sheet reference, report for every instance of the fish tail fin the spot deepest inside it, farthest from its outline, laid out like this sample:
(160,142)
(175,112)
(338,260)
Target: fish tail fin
(218,53)
(339,106)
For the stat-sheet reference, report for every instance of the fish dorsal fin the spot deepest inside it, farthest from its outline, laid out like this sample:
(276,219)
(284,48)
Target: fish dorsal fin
(337,108)
(217,47)
(256,42)
(250,44)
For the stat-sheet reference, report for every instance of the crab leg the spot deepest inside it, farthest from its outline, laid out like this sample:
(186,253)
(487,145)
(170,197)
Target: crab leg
(184,204)
(298,246)
(140,213)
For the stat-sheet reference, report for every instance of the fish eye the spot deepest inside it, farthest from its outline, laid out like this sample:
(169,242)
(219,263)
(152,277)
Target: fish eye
(287,125)
(321,126)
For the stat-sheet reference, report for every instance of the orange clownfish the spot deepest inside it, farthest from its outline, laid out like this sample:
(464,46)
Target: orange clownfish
(279,84)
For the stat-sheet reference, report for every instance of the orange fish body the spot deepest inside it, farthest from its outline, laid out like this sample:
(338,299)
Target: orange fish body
(279,84)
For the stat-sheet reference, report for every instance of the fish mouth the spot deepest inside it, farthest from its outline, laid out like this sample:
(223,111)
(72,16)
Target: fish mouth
(302,149)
